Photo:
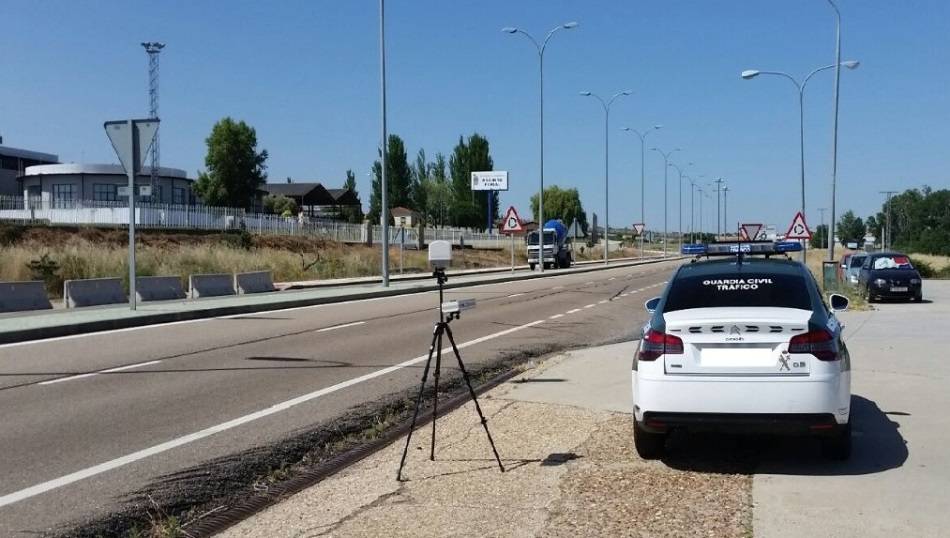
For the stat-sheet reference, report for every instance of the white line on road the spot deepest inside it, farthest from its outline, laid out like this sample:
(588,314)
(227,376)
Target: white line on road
(90,374)
(56,483)
(555,316)
(558,288)
(589,283)
(612,278)
(343,326)
(624,294)
(574,311)
(589,305)
(515,295)
(602,301)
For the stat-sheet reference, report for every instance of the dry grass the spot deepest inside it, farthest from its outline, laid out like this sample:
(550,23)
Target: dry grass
(938,263)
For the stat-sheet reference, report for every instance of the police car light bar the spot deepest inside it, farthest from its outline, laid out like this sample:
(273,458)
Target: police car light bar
(731,249)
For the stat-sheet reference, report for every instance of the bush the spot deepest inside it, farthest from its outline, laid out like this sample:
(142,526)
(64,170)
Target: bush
(10,234)
(924,268)
(46,269)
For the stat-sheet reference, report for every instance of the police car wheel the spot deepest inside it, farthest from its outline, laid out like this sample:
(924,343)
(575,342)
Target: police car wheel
(838,447)
(650,446)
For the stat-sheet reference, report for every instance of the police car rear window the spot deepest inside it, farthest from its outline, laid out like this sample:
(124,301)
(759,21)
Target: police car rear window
(730,290)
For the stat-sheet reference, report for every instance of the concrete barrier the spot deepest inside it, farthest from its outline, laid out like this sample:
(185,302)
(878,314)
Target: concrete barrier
(22,296)
(93,292)
(214,285)
(256,282)
(158,288)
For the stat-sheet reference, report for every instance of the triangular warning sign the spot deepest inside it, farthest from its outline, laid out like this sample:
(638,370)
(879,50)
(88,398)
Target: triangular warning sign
(750,232)
(798,229)
(638,228)
(512,222)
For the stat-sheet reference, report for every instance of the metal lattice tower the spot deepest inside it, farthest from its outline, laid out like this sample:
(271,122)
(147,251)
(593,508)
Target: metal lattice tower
(153,48)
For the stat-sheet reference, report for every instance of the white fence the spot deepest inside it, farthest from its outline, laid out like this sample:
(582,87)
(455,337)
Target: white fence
(190,217)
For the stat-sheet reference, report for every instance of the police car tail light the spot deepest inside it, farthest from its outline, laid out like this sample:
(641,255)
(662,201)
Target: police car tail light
(656,343)
(819,343)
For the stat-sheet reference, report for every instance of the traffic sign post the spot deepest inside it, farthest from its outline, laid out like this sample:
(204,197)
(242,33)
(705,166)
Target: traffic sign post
(510,225)
(494,180)
(799,230)
(127,137)
(750,232)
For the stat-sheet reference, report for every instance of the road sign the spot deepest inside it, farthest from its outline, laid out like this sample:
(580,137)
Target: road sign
(638,228)
(750,232)
(496,180)
(127,137)
(512,222)
(798,229)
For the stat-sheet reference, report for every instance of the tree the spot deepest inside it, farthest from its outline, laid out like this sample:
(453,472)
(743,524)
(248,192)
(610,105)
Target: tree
(279,204)
(850,228)
(439,193)
(352,214)
(236,170)
(419,191)
(564,204)
(469,209)
(820,237)
(398,178)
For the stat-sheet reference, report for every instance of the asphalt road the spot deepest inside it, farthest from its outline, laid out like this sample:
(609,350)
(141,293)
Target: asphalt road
(90,419)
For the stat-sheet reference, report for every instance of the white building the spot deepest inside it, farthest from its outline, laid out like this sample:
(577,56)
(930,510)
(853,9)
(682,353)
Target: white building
(62,185)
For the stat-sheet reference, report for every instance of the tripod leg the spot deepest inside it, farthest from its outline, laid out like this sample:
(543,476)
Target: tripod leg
(471,391)
(436,335)
(435,395)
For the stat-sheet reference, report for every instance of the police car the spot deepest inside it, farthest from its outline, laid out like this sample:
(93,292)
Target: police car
(743,341)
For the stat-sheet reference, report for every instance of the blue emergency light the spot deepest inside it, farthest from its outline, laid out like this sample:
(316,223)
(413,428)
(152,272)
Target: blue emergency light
(732,249)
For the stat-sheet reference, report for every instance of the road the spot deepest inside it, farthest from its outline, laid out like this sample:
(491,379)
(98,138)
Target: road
(89,420)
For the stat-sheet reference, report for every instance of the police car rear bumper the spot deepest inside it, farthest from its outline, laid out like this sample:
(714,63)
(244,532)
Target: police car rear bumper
(781,424)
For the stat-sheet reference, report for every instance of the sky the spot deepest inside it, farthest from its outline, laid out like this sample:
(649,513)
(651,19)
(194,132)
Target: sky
(305,74)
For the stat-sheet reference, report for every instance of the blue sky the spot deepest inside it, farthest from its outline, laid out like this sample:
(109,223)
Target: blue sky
(305,75)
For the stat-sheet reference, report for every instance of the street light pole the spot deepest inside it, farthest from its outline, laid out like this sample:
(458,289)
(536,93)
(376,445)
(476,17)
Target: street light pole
(606,105)
(384,199)
(834,137)
(821,211)
(679,229)
(540,47)
(666,166)
(752,73)
(718,181)
(725,210)
(642,137)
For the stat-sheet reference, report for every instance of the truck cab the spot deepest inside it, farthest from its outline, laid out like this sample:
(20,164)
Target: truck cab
(554,250)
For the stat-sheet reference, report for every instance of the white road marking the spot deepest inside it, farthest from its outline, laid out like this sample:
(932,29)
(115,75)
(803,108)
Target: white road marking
(624,294)
(558,288)
(589,305)
(555,316)
(588,283)
(90,374)
(516,295)
(574,311)
(82,474)
(602,302)
(612,278)
(343,326)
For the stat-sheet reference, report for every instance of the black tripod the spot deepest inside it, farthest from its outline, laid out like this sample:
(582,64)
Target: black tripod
(442,327)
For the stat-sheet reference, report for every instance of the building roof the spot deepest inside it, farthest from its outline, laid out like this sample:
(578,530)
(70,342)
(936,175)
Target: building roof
(99,169)
(28,154)
(344,196)
(403,212)
(309,193)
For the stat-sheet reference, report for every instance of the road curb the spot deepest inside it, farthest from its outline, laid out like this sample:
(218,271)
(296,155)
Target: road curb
(43,333)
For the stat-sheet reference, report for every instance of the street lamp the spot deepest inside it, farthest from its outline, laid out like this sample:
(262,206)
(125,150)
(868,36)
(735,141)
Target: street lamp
(541,47)
(666,166)
(679,213)
(642,137)
(606,104)
(384,202)
(752,73)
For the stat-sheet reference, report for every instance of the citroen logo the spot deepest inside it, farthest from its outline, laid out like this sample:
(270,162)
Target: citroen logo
(734,330)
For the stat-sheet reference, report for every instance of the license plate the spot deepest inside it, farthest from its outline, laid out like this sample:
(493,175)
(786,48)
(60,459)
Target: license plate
(897,289)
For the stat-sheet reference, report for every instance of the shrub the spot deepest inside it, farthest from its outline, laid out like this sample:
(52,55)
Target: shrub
(46,269)
(924,268)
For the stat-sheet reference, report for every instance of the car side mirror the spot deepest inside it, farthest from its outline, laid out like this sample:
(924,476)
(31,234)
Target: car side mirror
(652,304)
(839,303)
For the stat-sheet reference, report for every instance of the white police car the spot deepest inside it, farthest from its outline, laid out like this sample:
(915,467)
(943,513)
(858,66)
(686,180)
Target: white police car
(743,342)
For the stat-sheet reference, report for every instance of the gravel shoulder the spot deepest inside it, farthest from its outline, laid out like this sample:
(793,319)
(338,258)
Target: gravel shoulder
(571,471)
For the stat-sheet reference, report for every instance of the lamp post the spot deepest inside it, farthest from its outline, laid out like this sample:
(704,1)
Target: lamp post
(834,137)
(384,199)
(606,104)
(540,47)
(642,137)
(718,181)
(725,210)
(752,73)
(666,166)
(702,194)
(679,229)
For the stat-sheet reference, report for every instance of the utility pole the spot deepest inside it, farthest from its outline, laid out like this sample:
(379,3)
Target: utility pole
(887,238)
(718,181)
(725,209)
(153,48)
(821,211)
(383,187)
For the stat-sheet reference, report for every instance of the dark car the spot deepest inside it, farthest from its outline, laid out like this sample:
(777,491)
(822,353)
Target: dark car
(889,275)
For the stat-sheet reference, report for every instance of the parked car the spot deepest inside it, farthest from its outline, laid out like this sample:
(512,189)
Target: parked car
(889,275)
(854,267)
(742,344)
